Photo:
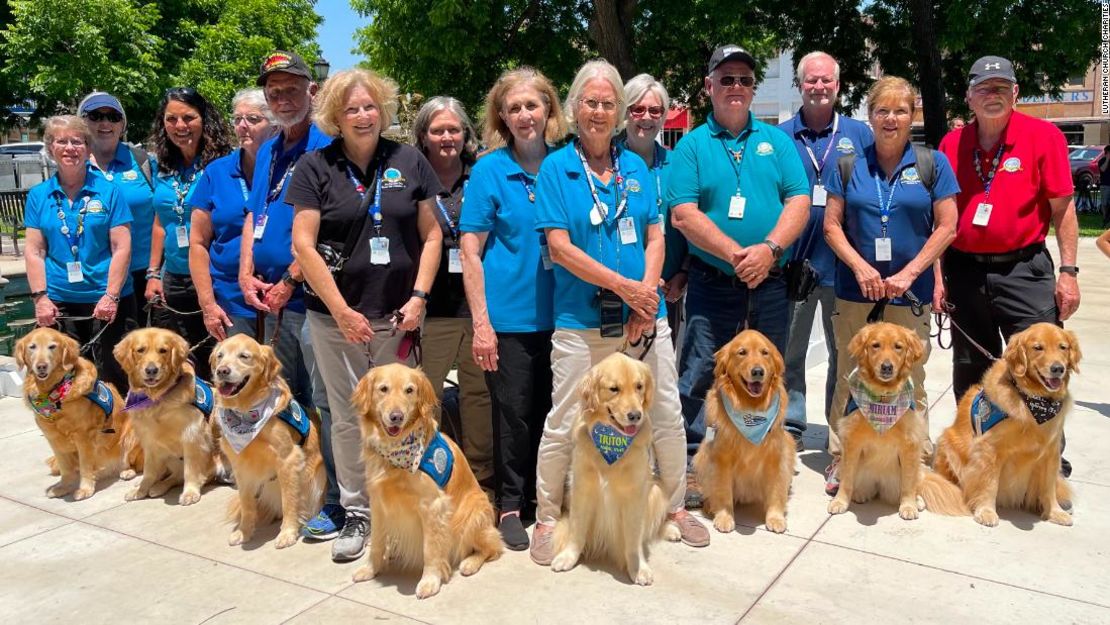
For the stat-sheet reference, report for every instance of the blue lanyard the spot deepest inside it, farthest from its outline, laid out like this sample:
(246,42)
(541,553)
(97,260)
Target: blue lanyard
(275,193)
(657,171)
(819,166)
(451,225)
(74,238)
(884,208)
(736,158)
(524,180)
(243,187)
(988,180)
(375,209)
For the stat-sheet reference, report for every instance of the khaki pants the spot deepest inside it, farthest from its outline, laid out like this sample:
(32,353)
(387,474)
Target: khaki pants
(447,342)
(848,319)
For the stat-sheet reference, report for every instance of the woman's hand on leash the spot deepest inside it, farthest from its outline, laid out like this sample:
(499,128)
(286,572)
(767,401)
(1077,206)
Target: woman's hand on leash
(46,312)
(253,290)
(896,285)
(277,296)
(940,297)
(870,282)
(354,326)
(153,289)
(640,297)
(635,327)
(674,288)
(105,309)
(216,321)
(412,314)
(484,347)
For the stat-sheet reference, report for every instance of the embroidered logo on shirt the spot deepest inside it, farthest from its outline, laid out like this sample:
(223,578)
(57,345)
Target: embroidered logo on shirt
(910,176)
(96,206)
(845,146)
(1012,164)
(633,185)
(131,174)
(392,179)
(764,148)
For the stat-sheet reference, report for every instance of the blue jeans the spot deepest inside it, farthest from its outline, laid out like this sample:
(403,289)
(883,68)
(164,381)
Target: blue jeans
(798,347)
(717,308)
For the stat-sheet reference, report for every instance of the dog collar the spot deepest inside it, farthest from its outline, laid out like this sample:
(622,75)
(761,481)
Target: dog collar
(48,405)
(882,410)
(203,397)
(610,442)
(240,428)
(753,425)
(411,454)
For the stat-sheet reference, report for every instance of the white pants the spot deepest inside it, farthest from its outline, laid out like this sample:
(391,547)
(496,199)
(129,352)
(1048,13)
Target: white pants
(573,352)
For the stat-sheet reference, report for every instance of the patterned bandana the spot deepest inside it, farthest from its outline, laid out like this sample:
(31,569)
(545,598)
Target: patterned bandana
(48,405)
(240,428)
(404,454)
(882,411)
(138,400)
(986,414)
(611,442)
(753,425)
(1043,409)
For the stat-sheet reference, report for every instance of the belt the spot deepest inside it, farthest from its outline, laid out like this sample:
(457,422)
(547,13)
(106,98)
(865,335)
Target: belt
(1024,253)
(776,272)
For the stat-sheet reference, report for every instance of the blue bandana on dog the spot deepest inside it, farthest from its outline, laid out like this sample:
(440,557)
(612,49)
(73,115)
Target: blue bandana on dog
(753,425)
(610,442)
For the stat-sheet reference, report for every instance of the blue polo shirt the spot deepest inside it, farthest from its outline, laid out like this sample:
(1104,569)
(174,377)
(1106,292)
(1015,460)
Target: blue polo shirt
(704,172)
(851,137)
(126,173)
(564,202)
(272,172)
(518,288)
(105,209)
(222,191)
(176,259)
(675,243)
(910,222)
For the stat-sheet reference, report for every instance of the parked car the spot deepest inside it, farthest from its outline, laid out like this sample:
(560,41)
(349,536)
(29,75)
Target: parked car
(1084,165)
(30,148)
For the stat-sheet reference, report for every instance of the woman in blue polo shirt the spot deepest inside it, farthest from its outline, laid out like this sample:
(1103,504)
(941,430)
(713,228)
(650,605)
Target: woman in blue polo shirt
(509,285)
(886,225)
(188,135)
(596,203)
(78,248)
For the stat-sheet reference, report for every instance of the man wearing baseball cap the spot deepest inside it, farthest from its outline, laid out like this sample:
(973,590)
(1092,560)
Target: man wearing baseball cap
(1015,181)
(740,195)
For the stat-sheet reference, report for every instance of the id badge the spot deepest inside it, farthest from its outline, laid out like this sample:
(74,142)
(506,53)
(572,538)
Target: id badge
(182,237)
(627,228)
(820,196)
(736,206)
(73,271)
(882,249)
(454,261)
(379,250)
(260,227)
(545,255)
(982,214)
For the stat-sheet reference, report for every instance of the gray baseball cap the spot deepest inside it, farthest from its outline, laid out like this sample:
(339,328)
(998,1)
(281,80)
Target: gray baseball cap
(989,67)
(730,52)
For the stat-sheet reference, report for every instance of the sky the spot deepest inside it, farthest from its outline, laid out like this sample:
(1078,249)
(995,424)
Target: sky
(336,35)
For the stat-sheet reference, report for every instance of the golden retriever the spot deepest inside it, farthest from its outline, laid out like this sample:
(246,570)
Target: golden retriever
(273,447)
(1019,410)
(426,507)
(748,399)
(175,434)
(616,508)
(59,388)
(883,435)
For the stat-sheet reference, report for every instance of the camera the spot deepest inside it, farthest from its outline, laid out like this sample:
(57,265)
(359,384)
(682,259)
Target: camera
(612,313)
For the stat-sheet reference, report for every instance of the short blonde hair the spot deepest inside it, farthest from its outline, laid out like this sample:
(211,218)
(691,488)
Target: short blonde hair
(638,86)
(889,87)
(53,125)
(495,132)
(598,68)
(332,99)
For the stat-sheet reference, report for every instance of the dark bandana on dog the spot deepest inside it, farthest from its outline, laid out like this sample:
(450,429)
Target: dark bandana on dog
(985,414)
(882,411)
(753,425)
(610,442)
(1043,409)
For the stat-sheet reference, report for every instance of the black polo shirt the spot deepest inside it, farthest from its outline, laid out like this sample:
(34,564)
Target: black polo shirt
(448,295)
(322,182)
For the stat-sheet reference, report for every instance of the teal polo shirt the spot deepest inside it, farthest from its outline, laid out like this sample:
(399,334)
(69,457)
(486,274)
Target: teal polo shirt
(175,258)
(563,202)
(138,192)
(703,171)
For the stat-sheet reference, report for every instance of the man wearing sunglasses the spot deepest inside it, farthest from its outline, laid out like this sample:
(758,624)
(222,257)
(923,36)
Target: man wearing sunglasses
(1015,181)
(740,195)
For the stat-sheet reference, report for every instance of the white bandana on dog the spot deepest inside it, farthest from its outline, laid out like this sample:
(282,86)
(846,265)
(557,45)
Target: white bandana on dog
(240,428)
(404,454)
(881,411)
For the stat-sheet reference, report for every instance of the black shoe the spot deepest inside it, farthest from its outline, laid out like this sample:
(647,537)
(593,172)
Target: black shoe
(799,446)
(512,532)
(1065,467)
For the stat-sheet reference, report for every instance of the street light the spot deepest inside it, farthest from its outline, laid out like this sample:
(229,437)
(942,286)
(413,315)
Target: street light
(321,67)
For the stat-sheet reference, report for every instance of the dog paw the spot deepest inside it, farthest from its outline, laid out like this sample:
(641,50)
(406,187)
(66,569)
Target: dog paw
(364,573)
(861,498)
(428,586)
(908,511)
(724,522)
(671,533)
(127,474)
(776,524)
(83,493)
(159,489)
(838,506)
(136,493)
(986,516)
(236,538)
(644,577)
(188,498)
(286,538)
(920,503)
(564,561)
(471,565)
(61,489)
(1059,517)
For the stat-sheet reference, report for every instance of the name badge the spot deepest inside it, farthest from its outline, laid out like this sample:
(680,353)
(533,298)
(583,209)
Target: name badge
(454,261)
(73,271)
(595,216)
(182,237)
(736,206)
(982,214)
(545,255)
(627,228)
(379,250)
(820,196)
(882,249)
(260,227)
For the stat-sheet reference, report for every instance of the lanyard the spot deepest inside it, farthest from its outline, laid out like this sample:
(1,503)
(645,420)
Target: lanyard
(375,206)
(74,238)
(275,193)
(819,166)
(524,180)
(243,187)
(736,158)
(602,207)
(452,226)
(181,190)
(884,208)
(657,171)
(988,180)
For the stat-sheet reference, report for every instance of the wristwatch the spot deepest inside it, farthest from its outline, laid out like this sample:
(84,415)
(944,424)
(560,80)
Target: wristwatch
(776,249)
(37,294)
(289,279)
(421,294)
(1072,269)
(114,298)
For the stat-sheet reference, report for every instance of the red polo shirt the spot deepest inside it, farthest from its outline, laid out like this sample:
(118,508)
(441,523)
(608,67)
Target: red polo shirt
(1033,168)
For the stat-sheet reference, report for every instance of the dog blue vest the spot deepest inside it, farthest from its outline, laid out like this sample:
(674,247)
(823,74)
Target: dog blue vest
(438,461)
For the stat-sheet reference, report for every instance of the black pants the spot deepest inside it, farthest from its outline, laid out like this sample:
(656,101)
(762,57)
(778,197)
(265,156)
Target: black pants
(520,391)
(181,295)
(138,278)
(100,352)
(992,302)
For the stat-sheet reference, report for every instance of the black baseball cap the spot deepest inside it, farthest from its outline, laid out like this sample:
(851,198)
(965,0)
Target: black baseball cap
(279,61)
(989,67)
(730,52)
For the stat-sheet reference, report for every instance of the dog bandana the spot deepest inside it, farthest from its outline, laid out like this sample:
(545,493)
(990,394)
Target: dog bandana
(610,442)
(881,411)
(753,425)
(985,414)
(240,428)
(137,400)
(49,405)
(410,454)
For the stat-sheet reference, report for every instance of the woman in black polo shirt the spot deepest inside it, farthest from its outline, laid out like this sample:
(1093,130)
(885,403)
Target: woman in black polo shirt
(376,197)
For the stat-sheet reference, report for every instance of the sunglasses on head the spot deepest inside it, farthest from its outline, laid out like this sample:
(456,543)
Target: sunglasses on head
(97,116)
(728,81)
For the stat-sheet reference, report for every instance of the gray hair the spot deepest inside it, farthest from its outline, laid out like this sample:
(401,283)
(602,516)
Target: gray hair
(602,69)
(255,97)
(638,86)
(800,75)
(423,121)
(52,125)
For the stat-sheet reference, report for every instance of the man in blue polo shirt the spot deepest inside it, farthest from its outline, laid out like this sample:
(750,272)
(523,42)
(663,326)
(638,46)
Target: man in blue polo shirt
(739,193)
(821,136)
(270,279)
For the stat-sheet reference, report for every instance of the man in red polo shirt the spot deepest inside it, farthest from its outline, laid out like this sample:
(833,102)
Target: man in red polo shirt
(1014,181)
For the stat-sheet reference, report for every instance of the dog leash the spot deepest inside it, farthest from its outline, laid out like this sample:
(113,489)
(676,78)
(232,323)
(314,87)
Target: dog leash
(411,339)
(879,309)
(260,327)
(946,315)
(647,340)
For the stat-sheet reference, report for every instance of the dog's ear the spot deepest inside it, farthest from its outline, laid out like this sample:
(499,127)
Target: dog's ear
(776,360)
(21,351)
(122,352)
(649,385)
(179,351)
(723,359)
(857,347)
(426,394)
(68,352)
(1016,361)
(1074,353)
(362,397)
(587,390)
(915,347)
(271,366)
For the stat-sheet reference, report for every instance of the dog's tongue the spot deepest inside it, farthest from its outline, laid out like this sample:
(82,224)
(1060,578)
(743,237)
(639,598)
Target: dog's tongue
(628,430)
(1053,383)
(227,388)
(393,430)
(755,388)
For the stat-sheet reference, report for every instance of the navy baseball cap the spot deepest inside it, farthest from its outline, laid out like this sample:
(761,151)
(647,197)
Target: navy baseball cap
(989,67)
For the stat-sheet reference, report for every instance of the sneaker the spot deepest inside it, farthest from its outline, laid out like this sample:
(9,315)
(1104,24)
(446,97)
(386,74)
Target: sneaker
(1065,467)
(512,532)
(542,551)
(351,543)
(832,478)
(693,532)
(326,524)
(694,497)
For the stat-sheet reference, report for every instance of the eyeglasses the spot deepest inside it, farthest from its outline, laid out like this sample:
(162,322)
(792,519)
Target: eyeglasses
(728,81)
(75,142)
(640,110)
(251,119)
(986,90)
(594,105)
(97,116)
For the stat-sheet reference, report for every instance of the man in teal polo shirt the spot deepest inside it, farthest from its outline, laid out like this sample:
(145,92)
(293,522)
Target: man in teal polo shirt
(739,193)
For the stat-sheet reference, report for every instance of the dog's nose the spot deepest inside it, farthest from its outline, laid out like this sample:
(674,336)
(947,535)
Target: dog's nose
(223,372)
(151,370)
(758,373)
(886,368)
(396,417)
(634,416)
(1056,369)
(40,367)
